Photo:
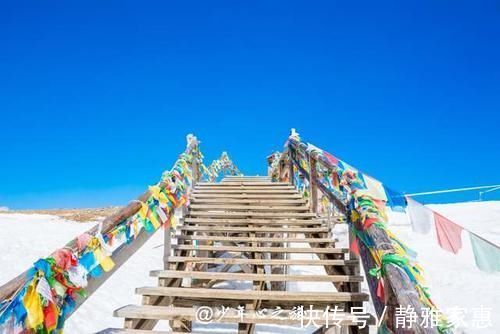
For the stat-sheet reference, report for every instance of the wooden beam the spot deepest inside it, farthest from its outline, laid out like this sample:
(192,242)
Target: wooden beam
(189,313)
(299,296)
(225,214)
(262,249)
(253,208)
(227,276)
(256,229)
(259,239)
(288,262)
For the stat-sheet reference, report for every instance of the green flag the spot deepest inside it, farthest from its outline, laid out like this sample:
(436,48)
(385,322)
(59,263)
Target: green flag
(487,255)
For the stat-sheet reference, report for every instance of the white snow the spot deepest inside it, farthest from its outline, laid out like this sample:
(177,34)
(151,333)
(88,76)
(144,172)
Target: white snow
(454,280)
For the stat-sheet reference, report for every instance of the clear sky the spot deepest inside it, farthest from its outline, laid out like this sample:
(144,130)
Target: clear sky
(96,97)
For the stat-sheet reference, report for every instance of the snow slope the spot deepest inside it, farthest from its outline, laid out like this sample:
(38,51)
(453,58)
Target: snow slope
(454,280)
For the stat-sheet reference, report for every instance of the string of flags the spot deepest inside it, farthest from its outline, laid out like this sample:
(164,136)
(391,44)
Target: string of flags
(367,198)
(54,284)
(222,165)
(422,218)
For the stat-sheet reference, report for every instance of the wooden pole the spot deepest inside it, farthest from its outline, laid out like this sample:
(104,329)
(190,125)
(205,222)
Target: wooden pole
(119,256)
(313,184)
(196,170)
(401,292)
(291,174)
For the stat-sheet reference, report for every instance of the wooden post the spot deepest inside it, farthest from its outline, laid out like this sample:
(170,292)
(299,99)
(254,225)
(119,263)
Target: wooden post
(313,186)
(196,170)
(167,244)
(291,174)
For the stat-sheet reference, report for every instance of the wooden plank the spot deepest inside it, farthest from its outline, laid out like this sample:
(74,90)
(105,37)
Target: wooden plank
(261,222)
(220,201)
(281,221)
(226,276)
(232,316)
(243,183)
(223,214)
(245,191)
(299,296)
(261,249)
(258,239)
(256,229)
(253,208)
(247,196)
(134,331)
(226,186)
(273,262)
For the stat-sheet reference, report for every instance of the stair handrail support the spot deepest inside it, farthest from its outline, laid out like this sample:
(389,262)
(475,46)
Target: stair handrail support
(400,291)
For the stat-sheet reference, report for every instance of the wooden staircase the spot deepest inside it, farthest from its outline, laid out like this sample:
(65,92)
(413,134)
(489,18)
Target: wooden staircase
(246,229)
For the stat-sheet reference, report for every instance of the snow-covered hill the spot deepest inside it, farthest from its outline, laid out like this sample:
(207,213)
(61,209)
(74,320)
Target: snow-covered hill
(454,280)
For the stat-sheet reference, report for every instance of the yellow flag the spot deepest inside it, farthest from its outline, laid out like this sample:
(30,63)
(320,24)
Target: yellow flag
(158,194)
(136,229)
(33,306)
(154,221)
(105,261)
(143,212)
(173,222)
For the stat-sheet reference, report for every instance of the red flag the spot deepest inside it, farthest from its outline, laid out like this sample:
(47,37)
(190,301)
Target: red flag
(380,290)
(449,234)
(334,161)
(369,222)
(354,247)
(50,315)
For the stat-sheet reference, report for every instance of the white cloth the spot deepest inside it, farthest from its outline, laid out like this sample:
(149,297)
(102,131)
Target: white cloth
(421,217)
(374,188)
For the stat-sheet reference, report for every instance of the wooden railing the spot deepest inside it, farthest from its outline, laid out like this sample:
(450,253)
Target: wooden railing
(121,254)
(400,291)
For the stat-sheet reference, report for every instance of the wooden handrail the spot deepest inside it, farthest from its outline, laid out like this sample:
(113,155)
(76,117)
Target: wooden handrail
(400,291)
(122,253)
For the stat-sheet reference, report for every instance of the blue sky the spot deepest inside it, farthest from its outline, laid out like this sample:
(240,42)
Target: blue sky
(96,98)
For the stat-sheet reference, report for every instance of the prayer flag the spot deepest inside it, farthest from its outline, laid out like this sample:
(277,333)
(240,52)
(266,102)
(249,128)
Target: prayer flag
(421,217)
(395,200)
(448,233)
(487,255)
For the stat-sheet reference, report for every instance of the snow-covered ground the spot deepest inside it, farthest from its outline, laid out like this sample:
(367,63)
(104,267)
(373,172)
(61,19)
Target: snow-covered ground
(454,280)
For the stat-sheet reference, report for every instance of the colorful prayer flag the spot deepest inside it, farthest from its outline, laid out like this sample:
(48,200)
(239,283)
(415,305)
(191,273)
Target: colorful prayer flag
(421,217)
(374,188)
(448,233)
(395,200)
(487,256)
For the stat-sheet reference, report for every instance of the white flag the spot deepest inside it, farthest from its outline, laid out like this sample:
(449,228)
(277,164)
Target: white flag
(374,188)
(421,217)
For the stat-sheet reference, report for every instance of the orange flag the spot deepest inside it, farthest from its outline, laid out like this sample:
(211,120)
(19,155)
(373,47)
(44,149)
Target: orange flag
(449,234)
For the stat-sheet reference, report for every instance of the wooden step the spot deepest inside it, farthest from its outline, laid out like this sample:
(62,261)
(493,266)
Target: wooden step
(247,178)
(238,201)
(134,331)
(243,183)
(258,239)
(225,214)
(232,316)
(292,250)
(299,296)
(271,262)
(248,196)
(246,222)
(245,188)
(244,191)
(255,229)
(263,221)
(252,208)
(226,276)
